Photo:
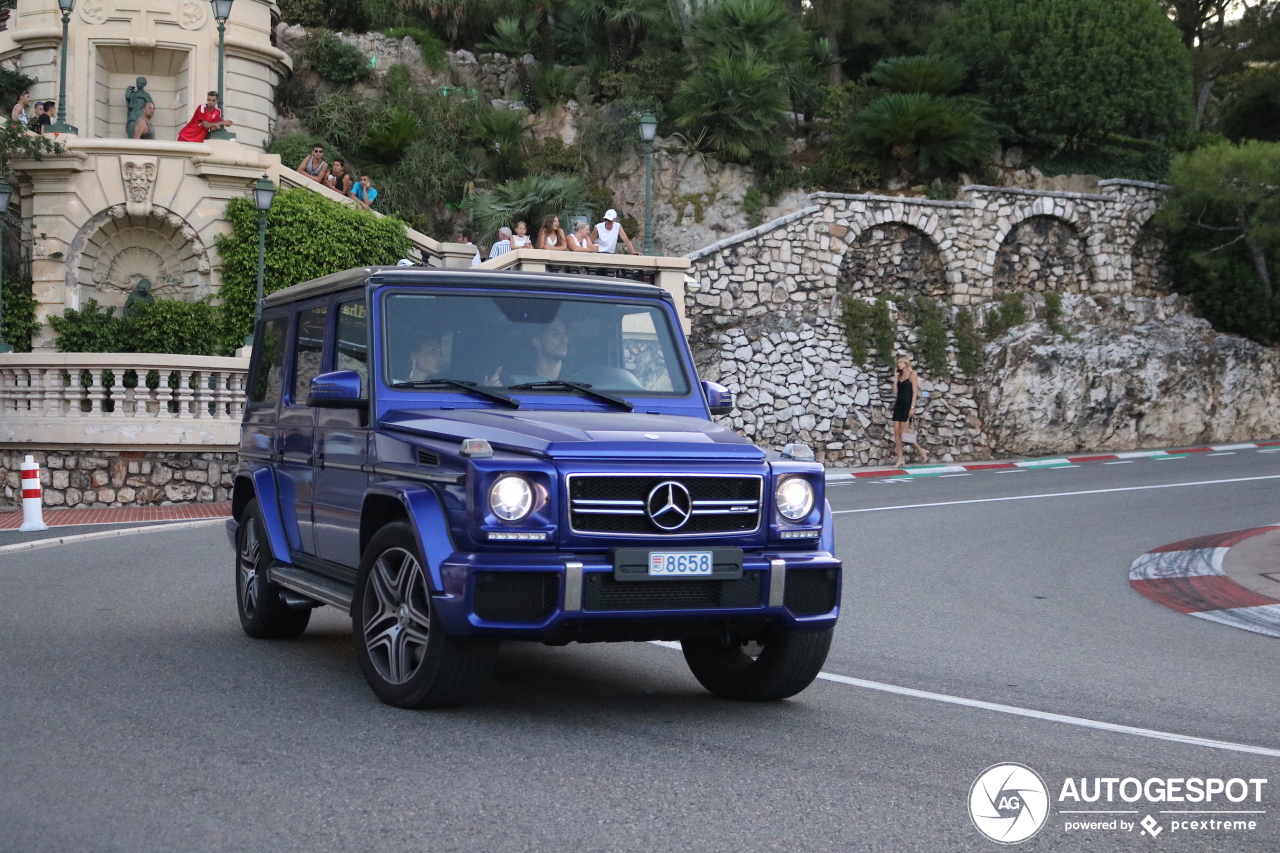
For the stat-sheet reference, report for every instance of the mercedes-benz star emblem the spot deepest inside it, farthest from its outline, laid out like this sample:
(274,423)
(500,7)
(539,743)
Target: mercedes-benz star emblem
(669,505)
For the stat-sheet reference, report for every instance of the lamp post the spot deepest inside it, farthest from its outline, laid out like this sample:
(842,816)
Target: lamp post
(61,126)
(648,129)
(221,12)
(264,192)
(5,192)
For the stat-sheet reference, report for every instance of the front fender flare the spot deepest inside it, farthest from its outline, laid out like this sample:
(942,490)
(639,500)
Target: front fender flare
(427,517)
(827,541)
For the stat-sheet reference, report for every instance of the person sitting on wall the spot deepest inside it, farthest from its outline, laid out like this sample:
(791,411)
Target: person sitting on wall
(143,128)
(313,165)
(364,192)
(207,119)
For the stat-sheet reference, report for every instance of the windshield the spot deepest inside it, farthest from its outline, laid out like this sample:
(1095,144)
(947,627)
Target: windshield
(513,342)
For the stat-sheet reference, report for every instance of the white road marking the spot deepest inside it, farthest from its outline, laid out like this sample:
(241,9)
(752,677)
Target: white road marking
(1226,453)
(955,475)
(1011,472)
(1060,467)
(1168,458)
(1028,712)
(36,544)
(1060,494)
(1125,462)
(1270,450)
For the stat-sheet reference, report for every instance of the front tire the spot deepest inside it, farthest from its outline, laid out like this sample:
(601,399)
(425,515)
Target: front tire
(263,614)
(404,653)
(782,664)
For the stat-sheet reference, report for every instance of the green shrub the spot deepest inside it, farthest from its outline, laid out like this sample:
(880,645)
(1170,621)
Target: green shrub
(752,204)
(93,328)
(1251,108)
(308,236)
(883,332)
(296,147)
(19,303)
(968,344)
(856,316)
(931,342)
(171,325)
(334,60)
(308,13)
(923,75)
(528,199)
(739,102)
(432,48)
(553,157)
(1053,312)
(554,84)
(925,133)
(1070,74)
(1009,313)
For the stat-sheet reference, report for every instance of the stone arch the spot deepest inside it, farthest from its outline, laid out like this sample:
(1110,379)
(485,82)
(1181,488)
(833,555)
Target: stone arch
(1152,260)
(1042,252)
(114,250)
(893,257)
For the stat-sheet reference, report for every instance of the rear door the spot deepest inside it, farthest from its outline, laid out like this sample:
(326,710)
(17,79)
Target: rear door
(296,430)
(342,442)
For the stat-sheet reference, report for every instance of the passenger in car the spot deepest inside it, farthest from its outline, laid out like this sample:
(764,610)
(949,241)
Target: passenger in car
(431,359)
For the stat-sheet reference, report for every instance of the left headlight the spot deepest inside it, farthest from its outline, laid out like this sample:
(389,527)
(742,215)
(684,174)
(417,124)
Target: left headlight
(511,497)
(794,497)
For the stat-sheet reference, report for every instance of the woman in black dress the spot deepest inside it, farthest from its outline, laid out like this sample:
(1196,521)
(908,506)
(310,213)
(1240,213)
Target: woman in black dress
(907,383)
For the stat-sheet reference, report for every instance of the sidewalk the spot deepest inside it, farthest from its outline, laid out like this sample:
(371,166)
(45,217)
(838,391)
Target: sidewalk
(838,474)
(121,515)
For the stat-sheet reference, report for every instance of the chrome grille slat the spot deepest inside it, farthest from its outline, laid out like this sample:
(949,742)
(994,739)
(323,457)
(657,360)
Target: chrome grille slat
(614,504)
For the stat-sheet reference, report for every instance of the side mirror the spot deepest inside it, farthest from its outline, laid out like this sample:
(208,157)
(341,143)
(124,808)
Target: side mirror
(719,400)
(337,390)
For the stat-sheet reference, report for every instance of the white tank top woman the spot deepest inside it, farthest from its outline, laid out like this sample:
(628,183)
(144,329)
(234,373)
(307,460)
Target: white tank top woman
(607,238)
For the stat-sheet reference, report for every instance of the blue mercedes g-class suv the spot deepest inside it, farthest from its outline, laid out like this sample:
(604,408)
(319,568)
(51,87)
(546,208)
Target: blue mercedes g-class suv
(456,458)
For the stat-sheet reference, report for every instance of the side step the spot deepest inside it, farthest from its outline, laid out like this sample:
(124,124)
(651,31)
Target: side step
(321,589)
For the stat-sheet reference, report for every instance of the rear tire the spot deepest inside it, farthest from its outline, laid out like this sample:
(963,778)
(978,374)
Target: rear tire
(785,665)
(263,614)
(404,653)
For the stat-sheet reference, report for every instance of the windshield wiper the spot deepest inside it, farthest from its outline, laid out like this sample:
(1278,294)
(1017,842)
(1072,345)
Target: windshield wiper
(584,387)
(461,385)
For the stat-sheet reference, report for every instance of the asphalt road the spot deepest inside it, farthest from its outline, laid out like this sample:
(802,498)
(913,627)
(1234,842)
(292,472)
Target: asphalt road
(135,715)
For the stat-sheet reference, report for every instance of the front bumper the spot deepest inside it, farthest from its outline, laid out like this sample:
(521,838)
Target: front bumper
(557,598)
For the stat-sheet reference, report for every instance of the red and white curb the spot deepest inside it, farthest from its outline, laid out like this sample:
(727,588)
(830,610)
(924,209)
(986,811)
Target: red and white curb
(1187,576)
(1050,462)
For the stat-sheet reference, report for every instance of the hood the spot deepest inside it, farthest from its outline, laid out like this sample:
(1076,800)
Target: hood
(581,435)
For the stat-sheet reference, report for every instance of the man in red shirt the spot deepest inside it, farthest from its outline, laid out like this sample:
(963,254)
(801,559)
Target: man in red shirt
(208,117)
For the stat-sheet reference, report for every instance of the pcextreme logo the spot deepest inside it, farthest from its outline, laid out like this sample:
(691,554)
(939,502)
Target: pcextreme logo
(1009,803)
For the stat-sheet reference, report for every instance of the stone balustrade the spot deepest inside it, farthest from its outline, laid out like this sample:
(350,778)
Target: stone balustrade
(113,400)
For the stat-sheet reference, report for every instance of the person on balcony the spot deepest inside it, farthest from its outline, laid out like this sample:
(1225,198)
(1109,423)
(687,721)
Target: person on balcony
(609,232)
(136,97)
(207,119)
(580,239)
(464,237)
(313,165)
(338,179)
(502,245)
(551,235)
(19,113)
(520,239)
(143,128)
(44,117)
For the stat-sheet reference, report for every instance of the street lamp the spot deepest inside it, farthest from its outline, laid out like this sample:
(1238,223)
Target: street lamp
(264,192)
(221,12)
(5,192)
(648,129)
(61,126)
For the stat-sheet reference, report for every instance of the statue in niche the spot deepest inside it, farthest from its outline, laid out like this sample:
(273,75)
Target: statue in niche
(140,295)
(135,99)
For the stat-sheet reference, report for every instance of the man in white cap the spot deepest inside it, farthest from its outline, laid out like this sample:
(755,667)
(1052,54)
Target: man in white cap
(609,232)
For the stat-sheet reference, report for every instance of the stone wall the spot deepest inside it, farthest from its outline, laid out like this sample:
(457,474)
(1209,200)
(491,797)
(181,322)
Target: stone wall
(1137,369)
(92,478)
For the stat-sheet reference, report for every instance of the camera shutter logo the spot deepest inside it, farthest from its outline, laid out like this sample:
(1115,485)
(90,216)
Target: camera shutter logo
(669,505)
(1008,803)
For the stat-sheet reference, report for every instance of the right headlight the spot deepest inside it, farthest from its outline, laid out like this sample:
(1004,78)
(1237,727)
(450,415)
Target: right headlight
(794,497)
(511,497)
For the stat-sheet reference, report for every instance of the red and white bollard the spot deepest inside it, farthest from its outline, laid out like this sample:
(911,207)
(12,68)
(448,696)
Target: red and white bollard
(32,503)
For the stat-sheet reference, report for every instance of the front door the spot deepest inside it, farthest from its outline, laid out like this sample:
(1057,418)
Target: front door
(296,431)
(342,442)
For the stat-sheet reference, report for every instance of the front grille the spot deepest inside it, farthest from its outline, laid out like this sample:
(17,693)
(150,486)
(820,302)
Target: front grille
(615,504)
(516,596)
(603,592)
(811,591)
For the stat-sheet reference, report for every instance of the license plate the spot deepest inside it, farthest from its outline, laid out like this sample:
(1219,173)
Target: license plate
(680,564)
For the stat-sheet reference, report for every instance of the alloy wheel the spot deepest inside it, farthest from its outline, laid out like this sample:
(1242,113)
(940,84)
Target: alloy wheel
(250,552)
(396,615)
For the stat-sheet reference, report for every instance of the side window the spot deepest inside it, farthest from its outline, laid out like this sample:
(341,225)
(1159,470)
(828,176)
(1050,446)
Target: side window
(353,340)
(643,353)
(307,351)
(268,381)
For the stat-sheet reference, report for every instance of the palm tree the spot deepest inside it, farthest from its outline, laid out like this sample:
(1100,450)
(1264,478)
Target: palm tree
(528,199)
(624,21)
(929,75)
(501,134)
(738,103)
(762,26)
(514,37)
(923,132)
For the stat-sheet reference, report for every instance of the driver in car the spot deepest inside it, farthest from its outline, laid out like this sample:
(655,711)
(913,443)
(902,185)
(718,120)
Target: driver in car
(550,347)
